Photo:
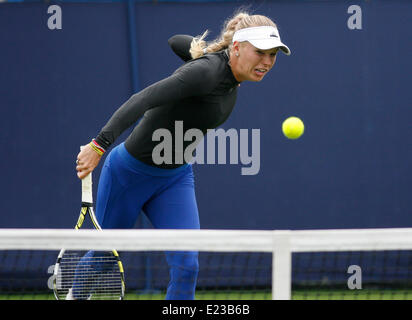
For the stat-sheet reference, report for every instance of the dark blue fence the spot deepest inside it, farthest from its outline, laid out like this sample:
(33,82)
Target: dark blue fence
(351,169)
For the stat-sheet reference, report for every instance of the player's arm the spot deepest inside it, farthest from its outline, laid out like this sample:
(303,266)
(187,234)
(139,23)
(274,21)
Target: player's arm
(180,45)
(192,79)
(189,80)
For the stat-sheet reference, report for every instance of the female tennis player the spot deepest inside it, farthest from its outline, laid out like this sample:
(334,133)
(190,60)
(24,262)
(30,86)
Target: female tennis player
(201,94)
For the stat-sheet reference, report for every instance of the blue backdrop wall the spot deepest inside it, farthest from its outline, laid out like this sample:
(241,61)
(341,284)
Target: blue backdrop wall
(351,168)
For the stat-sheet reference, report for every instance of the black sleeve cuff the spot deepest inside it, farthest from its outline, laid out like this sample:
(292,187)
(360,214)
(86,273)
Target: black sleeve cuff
(103,141)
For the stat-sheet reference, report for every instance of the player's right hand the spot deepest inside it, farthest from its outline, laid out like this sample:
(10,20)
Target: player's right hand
(87,160)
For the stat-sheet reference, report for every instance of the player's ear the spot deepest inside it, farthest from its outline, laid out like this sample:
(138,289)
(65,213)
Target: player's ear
(236,48)
(180,45)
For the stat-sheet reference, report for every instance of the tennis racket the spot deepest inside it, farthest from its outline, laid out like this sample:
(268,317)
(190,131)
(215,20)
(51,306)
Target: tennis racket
(88,275)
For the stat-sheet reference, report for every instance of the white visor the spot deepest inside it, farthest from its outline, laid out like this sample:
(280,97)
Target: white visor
(264,37)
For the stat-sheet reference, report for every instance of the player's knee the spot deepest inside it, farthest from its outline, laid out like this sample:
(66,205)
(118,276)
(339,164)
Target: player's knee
(184,275)
(184,266)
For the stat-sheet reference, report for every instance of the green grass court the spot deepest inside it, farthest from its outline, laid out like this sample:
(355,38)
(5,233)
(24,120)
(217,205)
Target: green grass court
(256,295)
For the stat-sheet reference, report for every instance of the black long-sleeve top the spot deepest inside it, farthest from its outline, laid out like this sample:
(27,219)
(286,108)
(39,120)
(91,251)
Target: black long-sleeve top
(201,93)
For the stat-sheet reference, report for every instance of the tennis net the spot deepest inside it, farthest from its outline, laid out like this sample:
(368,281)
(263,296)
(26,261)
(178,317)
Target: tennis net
(233,264)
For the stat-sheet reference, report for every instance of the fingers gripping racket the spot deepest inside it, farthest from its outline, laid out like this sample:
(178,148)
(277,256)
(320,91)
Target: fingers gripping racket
(88,275)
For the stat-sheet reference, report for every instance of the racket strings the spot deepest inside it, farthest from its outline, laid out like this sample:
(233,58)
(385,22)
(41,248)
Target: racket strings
(95,277)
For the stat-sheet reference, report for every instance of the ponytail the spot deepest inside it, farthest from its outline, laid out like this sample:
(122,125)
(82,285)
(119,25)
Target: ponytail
(199,46)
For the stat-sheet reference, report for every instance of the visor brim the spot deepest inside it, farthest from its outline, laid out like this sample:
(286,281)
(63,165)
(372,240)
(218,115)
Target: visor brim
(265,44)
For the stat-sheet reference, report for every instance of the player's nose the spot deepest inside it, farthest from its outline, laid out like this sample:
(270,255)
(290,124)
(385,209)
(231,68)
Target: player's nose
(268,60)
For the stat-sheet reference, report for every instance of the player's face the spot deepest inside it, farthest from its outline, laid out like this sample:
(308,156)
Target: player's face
(252,64)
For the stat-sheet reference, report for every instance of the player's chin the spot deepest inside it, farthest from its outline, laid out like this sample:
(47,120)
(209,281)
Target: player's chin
(257,76)
(256,79)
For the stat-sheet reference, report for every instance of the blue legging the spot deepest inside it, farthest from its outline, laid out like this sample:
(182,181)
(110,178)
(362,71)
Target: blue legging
(128,186)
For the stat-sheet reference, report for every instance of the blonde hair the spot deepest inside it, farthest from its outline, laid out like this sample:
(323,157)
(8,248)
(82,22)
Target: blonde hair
(239,21)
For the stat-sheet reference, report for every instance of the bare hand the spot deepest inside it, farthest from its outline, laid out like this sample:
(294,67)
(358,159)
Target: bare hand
(87,160)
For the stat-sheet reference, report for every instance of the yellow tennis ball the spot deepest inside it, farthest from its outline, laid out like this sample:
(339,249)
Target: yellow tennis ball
(293,127)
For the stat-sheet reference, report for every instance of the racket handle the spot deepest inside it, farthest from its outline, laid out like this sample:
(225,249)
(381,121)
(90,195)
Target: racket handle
(87,191)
